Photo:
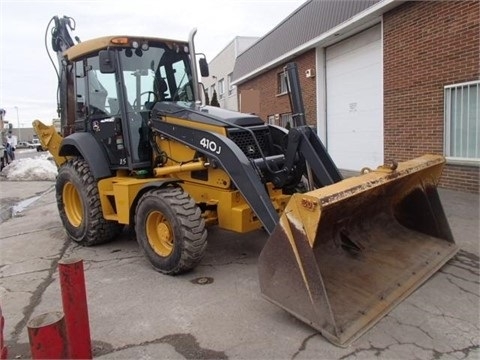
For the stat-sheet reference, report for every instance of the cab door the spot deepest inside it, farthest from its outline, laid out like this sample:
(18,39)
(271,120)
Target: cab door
(98,109)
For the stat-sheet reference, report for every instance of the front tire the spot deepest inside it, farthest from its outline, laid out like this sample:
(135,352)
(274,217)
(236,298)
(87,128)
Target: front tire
(170,230)
(78,203)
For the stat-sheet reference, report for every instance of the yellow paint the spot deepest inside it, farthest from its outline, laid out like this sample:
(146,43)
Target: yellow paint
(95,45)
(169,170)
(232,211)
(72,203)
(49,139)
(117,195)
(180,154)
(159,233)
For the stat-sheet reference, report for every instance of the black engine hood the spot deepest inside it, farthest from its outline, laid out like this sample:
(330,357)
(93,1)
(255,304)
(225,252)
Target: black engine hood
(206,114)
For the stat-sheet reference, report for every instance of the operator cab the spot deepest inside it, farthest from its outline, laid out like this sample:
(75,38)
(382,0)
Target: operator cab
(117,86)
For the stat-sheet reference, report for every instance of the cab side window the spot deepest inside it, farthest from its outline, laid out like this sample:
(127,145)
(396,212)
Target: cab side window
(80,96)
(102,90)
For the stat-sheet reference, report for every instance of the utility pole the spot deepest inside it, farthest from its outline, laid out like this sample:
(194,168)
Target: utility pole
(18,124)
(2,116)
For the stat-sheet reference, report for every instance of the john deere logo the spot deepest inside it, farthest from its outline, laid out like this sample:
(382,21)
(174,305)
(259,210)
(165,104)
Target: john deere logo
(250,149)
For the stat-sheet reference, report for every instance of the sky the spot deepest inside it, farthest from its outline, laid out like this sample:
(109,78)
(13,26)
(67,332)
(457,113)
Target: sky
(28,81)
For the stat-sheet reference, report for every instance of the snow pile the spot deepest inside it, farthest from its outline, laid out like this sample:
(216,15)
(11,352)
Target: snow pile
(38,168)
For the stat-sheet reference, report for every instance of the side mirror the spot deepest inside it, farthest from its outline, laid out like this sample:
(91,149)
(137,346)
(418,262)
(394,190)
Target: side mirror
(203,67)
(107,61)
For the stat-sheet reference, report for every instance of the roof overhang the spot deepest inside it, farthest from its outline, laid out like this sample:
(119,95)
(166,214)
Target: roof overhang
(94,45)
(355,24)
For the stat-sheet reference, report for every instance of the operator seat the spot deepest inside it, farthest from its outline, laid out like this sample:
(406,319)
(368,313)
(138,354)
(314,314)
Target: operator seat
(160,89)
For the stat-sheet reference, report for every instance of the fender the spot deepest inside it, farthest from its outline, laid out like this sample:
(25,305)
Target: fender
(84,144)
(160,183)
(157,184)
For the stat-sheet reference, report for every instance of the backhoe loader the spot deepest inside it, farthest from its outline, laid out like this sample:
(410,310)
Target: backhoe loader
(137,147)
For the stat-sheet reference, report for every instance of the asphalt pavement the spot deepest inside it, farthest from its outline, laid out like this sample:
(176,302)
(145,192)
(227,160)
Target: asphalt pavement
(216,311)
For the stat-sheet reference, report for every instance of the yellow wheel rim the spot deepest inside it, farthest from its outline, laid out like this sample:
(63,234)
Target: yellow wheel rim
(159,233)
(72,203)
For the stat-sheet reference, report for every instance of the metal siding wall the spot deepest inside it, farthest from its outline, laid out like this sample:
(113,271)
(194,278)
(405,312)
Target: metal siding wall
(309,21)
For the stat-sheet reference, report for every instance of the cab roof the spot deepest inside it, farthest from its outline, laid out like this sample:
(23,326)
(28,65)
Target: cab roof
(101,43)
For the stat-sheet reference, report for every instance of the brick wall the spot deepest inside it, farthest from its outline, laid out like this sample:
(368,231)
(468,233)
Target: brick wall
(271,103)
(428,45)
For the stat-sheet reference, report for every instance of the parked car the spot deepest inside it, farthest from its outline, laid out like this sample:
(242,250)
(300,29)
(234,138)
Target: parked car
(22,145)
(34,144)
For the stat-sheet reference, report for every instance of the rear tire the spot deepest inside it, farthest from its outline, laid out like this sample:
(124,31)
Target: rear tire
(78,203)
(170,230)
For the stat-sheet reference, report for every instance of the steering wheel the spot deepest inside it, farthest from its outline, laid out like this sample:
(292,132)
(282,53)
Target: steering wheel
(155,98)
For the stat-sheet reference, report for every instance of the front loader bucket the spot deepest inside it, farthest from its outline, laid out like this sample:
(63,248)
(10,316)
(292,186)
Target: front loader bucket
(344,255)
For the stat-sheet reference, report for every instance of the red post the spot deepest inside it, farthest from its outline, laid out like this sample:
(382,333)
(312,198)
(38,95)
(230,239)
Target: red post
(47,336)
(3,348)
(74,300)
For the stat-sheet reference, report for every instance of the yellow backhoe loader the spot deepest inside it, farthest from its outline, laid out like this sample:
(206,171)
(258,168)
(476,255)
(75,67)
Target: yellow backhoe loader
(137,147)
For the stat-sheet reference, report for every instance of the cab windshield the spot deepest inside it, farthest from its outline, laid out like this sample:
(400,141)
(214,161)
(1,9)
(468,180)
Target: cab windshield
(156,73)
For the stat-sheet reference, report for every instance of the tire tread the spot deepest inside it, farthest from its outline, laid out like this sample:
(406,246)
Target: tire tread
(99,230)
(193,227)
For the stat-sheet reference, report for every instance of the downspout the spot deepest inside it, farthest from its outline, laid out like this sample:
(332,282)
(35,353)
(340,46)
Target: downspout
(321,93)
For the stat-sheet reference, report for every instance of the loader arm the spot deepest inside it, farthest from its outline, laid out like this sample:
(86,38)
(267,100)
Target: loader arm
(232,160)
(304,141)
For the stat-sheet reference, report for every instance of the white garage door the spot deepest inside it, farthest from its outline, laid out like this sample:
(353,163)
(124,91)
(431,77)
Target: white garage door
(355,101)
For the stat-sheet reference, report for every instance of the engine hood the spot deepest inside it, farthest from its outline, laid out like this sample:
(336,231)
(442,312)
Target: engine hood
(211,115)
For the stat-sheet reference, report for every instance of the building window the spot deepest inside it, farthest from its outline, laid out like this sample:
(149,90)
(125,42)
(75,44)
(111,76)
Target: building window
(221,88)
(286,120)
(462,121)
(231,87)
(282,83)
